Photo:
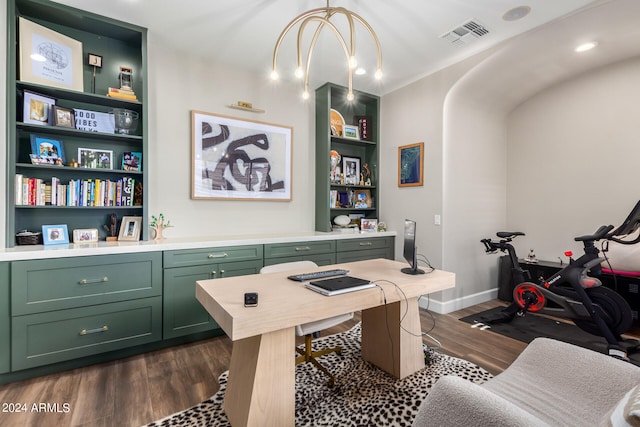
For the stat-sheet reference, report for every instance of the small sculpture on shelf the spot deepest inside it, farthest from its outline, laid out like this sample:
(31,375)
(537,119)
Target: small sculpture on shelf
(366,174)
(335,168)
(112,228)
(158,224)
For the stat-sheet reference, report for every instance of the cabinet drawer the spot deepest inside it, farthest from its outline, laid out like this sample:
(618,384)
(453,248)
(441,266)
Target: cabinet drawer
(187,257)
(61,283)
(364,244)
(320,259)
(5,331)
(278,250)
(363,255)
(44,338)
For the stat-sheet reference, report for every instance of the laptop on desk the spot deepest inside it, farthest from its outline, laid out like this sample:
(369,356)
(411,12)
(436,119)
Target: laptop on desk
(339,285)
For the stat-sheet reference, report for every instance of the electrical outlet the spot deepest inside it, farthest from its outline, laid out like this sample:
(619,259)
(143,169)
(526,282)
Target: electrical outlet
(436,219)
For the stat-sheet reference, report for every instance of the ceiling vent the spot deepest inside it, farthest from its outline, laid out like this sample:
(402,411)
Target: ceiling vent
(465,33)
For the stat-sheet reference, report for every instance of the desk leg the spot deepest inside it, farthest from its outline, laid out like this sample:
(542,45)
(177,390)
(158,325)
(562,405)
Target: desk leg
(261,387)
(386,344)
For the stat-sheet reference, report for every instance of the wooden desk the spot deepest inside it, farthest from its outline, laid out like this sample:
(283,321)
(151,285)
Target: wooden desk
(261,386)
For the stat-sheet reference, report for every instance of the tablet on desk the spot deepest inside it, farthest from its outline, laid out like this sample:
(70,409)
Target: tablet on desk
(339,285)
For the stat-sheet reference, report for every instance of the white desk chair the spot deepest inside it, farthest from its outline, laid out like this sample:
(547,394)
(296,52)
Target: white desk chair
(308,329)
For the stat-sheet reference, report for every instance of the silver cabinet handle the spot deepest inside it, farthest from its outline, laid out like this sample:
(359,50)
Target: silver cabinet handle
(105,328)
(221,273)
(222,255)
(213,273)
(303,248)
(366,243)
(87,281)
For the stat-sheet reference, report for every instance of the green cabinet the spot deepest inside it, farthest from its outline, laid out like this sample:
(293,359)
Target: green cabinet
(29,207)
(46,338)
(349,250)
(183,314)
(5,319)
(320,252)
(60,283)
(336,196)
(67,308)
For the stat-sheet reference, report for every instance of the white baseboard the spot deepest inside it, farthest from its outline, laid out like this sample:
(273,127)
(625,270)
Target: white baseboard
(444,307)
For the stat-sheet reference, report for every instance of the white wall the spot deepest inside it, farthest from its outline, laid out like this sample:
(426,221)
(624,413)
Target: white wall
(572,159)
(179,84)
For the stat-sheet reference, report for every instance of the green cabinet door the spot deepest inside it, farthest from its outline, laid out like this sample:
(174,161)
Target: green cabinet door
(5,319)
(360,249)
(183,313)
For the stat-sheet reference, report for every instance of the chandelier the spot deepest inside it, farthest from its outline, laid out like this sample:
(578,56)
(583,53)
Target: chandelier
(323,17)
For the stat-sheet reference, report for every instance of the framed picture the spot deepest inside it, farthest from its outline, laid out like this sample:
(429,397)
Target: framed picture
(132,161)
(368,225)
(63,117)
(236,159)
(55,234)
(362,199)
(46,151)
(48,57)
(95,159)
(85,235)
(351,132)
(130,228)
(411,165)
(37,109)
(351,170)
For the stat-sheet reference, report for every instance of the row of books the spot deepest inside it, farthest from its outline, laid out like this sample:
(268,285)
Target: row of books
(87,192)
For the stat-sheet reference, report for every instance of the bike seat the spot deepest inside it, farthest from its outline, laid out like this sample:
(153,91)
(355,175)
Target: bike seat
(509,234)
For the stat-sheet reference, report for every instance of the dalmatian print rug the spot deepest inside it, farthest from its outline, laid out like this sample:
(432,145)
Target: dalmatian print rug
(362,396)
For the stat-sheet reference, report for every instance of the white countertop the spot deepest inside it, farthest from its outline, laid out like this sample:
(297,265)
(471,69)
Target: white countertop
(27,252)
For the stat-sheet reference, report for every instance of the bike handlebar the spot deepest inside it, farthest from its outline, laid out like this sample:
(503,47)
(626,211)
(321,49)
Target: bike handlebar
(599,234)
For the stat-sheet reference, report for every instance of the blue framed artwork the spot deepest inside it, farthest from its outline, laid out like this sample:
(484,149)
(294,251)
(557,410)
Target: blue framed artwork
(411,165)
(55,234)
(46,151)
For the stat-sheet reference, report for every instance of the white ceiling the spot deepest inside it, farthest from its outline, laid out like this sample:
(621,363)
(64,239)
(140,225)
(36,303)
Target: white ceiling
(242,33)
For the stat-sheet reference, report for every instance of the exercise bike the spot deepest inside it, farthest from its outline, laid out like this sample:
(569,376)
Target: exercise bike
(571,292)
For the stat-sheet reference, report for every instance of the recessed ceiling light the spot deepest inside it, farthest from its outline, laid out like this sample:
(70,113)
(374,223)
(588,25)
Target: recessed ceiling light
(516,13)
(360,71)
(585,47)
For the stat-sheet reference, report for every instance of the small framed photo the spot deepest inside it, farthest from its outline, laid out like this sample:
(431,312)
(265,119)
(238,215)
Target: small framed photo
(351,170)
(46,151)
(132,161)
(63,117)
(351,132)
(37,109)
(95,159)
(55,234)
(85,235)
(363,199)
(368,225)
(95,60)
(130,228)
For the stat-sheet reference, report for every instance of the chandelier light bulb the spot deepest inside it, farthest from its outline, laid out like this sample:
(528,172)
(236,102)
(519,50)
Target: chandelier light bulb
(353,62)
(274,75)
(350,96)
(305,95)
(299,73)
(378,74)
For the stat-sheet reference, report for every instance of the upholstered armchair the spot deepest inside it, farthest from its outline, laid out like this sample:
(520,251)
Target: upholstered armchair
(551,383)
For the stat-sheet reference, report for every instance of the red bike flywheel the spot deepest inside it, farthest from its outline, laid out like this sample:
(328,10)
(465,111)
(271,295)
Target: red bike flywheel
(528,293)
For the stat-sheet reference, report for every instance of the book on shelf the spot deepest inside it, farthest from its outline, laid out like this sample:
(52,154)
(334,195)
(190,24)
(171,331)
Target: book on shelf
(76,192)
(122,94)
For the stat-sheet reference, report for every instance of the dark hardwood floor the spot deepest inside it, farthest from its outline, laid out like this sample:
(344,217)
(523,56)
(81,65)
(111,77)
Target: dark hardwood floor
(140,389)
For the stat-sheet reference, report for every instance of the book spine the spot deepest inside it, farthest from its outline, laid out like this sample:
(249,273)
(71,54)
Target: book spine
(18,189)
